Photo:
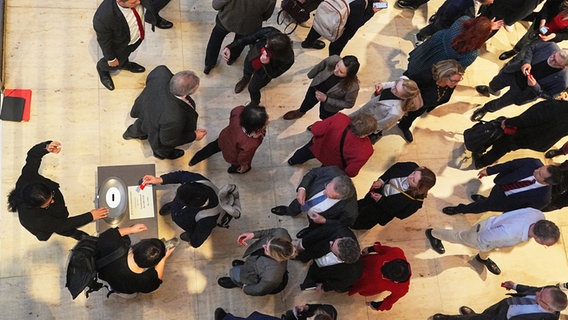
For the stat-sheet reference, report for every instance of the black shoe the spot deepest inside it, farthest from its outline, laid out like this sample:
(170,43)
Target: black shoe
(106,80)
(489,264)
(185,237)
(166,209)
(433,17)
(234,169)
(507,54)
(450,211)
(241,85)
(477,160)
(483,90)
(406,5)
(476,197)
(280,210)
(220,314)
(478,114)
(133,67)
(318,45)
(126,136)
(174,154)
(435,243)
(553,153)
(237,262)
(439,316)
(163,23)
(208,69)
(302,233)
(465,310)
(406,134)
(226,283)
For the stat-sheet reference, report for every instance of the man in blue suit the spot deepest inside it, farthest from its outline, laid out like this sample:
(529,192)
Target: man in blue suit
(519,183)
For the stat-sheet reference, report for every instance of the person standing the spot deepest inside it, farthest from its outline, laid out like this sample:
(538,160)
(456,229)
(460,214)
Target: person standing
(119,25)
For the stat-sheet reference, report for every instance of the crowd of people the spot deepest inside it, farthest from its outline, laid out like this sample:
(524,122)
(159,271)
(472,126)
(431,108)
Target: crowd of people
(166,116)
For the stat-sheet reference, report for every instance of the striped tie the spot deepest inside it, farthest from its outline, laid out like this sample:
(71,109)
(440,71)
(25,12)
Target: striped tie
(518,185)
(139,22)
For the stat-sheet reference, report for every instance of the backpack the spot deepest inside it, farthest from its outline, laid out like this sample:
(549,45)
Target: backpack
(482,135)
(82,266)
(331,17)
(291,13)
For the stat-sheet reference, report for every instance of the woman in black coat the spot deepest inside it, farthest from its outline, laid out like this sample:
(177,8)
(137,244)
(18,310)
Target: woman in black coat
(399,193)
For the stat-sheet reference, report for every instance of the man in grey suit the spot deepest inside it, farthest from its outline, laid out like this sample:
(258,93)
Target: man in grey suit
(324,193)
(529,303)
(538,72)
(166,112)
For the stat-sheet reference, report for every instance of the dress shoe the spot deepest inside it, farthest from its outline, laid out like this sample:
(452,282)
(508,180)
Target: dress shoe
(237,262)
(241,85)
(476,197)
(507,54)
(280,210)
(133,67)
(166,209)
(293,115)
(478,114)
(553,153)
(208,69)
(234,169)
(105,78)
(406,5)
(483,90)
(174,154)
(226,283)
(465,310)
(163,23)
(435,243)
(477,160)
(302,233)
(220,314)
(406,134)
(185,237)
(433,17)
(450,211)
(489,264)
(126,136)
(439,316)
(318,45)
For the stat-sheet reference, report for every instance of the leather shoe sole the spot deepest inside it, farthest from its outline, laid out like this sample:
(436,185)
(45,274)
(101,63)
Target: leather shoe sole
(439,316)
(106,80)
(241,85)
(435,243)
(507,54)
(226,283)
(450,211)
(553,153)
(478,114)
(465,310)
(293,115)
(280,210)
(318,45)
(126,136)
(489,264)
(166,209)
(176,153)
(405,5)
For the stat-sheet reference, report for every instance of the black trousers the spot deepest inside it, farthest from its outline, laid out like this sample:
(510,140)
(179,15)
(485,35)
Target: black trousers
(122,56)
(310,101)
(303,154)
(207,151)
(219,33)
(258,80)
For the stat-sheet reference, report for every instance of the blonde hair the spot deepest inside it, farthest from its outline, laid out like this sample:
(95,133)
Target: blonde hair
(411,91)
(280,249)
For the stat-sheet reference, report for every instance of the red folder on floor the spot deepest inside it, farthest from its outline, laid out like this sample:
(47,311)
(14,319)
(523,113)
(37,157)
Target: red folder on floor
(26,94)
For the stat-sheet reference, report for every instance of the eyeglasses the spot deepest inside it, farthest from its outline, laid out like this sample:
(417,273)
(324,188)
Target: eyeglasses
(455,81)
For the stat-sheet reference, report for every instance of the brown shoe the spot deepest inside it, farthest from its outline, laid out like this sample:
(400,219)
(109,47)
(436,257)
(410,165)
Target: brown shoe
(241,85)
(294,114)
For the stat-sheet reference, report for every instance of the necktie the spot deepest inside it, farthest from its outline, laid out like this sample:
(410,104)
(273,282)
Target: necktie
(518,185)
(139,22)
(312,202)
(520,301)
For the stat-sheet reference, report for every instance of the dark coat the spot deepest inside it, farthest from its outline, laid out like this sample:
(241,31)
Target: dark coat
(167,120)
(510,11)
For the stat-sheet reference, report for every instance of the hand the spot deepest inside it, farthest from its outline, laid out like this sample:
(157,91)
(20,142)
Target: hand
(496,25)
(264,59)
(508,285)
(503,126)
(526,69)
(199,134)
(149,179)
(378,88)
(169,252)
(377,184)
(244,237)
(54,147)
(319,288)
(376,196)
(301,196)
(99,213)
(322,97)
(139,227)
(547,37)
(113,63)
(317,218)
(482,173)
(301,308)
(226,53)
(531,81)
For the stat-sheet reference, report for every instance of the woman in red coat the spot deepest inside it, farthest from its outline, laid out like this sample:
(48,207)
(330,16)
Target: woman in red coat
(384,269)
(239,140)
(339,141)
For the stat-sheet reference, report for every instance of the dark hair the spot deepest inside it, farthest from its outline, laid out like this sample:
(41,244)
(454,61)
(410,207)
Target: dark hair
(253,118)
(278,44)
(352,65)
(349,250)
(323,316)
(546,230)
(343,186)
(555,175)
(427,181)
(192,194)
(33,195)
(397,270)
(473,35)
(148,252)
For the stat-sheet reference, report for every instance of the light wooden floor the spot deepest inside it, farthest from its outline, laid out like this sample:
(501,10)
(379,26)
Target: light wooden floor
(51,49)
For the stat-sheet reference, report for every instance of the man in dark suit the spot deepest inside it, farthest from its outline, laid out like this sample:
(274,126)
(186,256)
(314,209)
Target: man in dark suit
(166,112)
(529,303)
(538,72)
(325,193)
(519,183)
(119,25)
(335,251)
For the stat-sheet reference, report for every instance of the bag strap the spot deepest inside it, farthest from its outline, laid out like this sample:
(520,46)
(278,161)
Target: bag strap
(341,143)
(111,257)
(404,193)
(280,21)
